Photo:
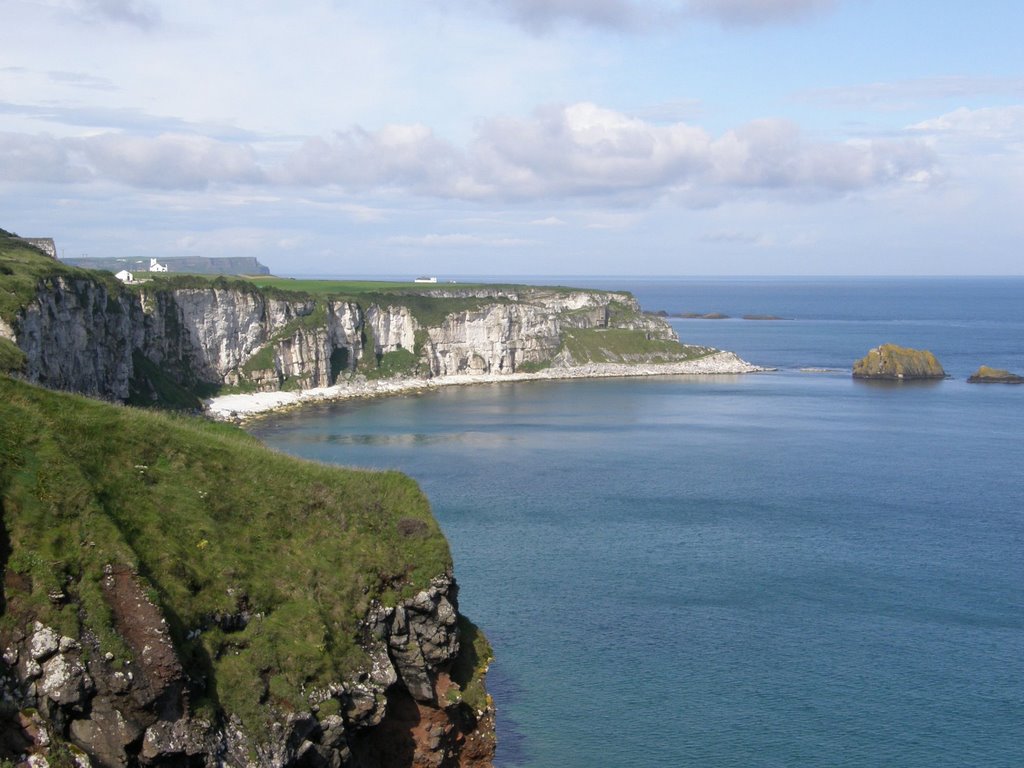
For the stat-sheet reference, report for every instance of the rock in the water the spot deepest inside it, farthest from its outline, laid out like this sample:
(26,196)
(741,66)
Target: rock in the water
(896,363)
(986,375)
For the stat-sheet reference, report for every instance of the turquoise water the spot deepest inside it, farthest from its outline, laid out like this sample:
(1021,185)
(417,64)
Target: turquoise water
(772,570)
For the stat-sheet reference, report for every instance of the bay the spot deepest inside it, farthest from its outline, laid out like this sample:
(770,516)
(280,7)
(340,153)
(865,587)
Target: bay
(769,570)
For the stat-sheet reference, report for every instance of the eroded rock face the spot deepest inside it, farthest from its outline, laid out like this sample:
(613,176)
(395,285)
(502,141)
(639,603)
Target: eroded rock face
(393,714)
(79,336)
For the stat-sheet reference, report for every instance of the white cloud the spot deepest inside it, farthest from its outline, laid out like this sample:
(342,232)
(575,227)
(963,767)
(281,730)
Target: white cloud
(911,93)
(756,12)
(407,156)
(729,236)
(27,159)
(576,151)
(584,150)
(992,123)
(137,13)
(541,15)
(549,221)
(457,240)
(773,154)
(162,162)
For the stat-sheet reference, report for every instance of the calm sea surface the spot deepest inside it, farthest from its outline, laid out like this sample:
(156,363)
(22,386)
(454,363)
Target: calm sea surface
(783,569)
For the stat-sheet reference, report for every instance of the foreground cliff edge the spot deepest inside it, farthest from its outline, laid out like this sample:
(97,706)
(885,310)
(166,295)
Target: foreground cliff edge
(176,594)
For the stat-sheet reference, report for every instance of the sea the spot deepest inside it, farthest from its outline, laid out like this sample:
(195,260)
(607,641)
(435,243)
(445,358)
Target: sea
(791,568)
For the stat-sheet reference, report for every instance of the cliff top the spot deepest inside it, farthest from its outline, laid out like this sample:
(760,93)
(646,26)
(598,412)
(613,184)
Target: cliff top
(22,266)
(436,290)
(264,565)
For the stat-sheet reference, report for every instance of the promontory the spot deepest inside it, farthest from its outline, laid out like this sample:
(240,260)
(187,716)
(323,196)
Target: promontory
(174,339)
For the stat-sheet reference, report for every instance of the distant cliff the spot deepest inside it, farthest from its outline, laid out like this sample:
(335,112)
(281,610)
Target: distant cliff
(197,265)
(83,331)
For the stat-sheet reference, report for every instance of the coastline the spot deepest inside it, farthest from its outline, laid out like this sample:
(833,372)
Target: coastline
(241,407)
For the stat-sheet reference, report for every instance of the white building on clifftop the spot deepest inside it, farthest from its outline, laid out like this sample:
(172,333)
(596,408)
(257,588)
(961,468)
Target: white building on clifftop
(156,266)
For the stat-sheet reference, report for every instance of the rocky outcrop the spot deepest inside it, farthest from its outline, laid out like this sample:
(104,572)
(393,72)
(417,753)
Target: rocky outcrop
(987,375)
(895,363)
(58,689)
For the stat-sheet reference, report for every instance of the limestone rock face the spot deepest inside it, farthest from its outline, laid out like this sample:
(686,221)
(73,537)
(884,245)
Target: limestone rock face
(82,335)
(79,336)
(892,362)
(496,339)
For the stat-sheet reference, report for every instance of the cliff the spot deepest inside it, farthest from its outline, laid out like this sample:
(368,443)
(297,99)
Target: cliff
(892,362)
(177,337)
(175,594)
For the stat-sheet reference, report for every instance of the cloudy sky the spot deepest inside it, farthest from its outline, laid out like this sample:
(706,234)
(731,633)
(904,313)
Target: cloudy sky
(521,137)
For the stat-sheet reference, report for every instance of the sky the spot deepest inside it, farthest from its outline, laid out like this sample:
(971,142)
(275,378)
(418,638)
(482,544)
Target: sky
(521,137)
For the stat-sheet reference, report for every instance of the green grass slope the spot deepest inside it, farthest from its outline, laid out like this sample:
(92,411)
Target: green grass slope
(23,268)
(214,523)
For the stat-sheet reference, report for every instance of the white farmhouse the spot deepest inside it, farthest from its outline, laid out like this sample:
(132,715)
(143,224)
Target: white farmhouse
(125,276)
(156,266)
(426,280)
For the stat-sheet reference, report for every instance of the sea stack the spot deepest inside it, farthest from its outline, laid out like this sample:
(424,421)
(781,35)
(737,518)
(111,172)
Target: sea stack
(986,375)
(894,363)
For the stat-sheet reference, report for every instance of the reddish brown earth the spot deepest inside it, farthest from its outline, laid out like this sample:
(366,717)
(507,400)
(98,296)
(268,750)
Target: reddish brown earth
(420,735)
(155,667)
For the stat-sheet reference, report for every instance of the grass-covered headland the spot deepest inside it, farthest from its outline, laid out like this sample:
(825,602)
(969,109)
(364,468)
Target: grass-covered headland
(215,525)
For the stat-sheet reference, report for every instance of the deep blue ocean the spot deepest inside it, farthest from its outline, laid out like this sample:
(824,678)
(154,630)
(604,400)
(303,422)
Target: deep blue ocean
(780,569)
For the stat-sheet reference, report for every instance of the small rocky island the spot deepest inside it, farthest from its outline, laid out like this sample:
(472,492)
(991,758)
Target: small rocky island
(987,375)
(895,363)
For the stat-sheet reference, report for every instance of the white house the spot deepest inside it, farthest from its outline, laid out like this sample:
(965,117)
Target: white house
(156,266)
(425,280)
(125,276)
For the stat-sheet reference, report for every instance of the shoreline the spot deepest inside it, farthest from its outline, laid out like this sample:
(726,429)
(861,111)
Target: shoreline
(242,407)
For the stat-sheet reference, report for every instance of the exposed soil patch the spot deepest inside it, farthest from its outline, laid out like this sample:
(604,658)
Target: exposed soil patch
(155,666)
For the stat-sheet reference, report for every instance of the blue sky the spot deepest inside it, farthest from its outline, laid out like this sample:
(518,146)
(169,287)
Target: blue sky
(530,137)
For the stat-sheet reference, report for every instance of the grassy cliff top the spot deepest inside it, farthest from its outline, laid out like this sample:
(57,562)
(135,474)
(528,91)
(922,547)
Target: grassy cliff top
(359,287)
(214,523)
(23,266)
